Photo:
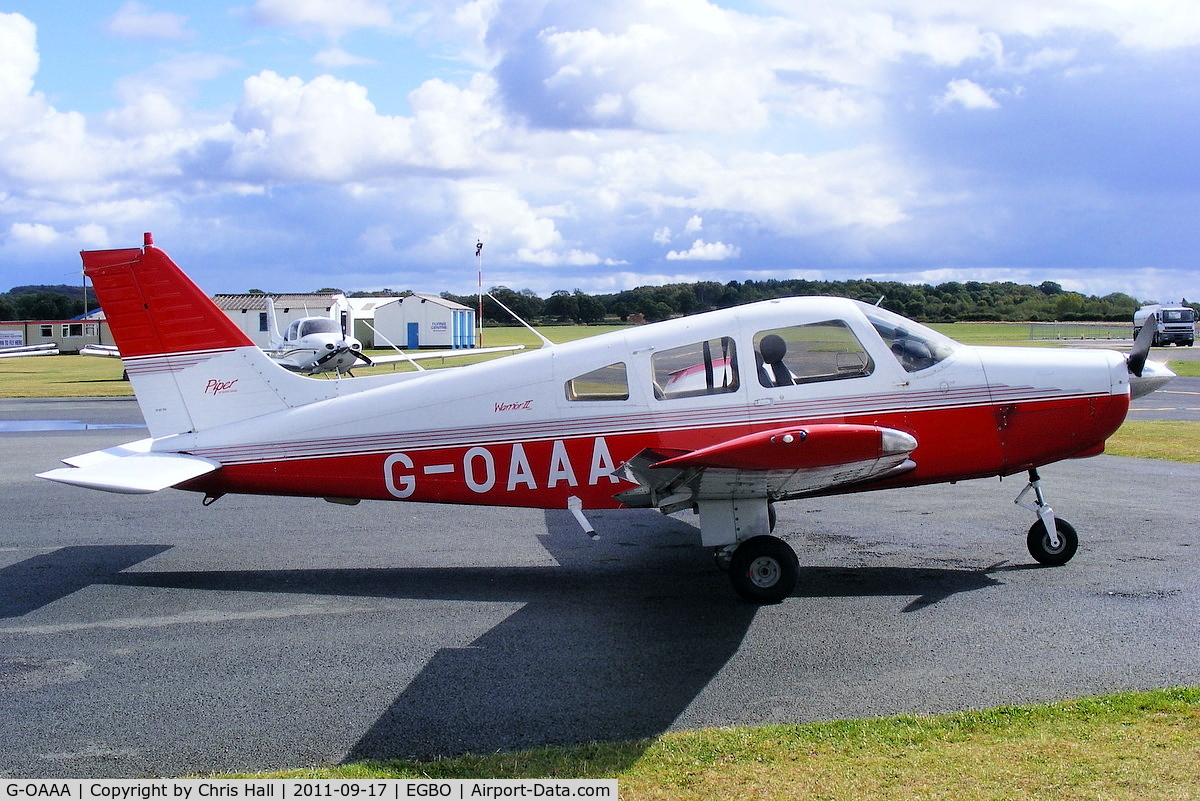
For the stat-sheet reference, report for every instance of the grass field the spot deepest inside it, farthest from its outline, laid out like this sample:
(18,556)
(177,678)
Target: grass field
(1129,746)
(62,377)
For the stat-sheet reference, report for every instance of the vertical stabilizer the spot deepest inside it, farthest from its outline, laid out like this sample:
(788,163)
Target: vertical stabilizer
(191,367)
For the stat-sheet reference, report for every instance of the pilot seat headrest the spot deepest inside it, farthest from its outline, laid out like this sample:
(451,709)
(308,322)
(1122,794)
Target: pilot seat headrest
(773,348)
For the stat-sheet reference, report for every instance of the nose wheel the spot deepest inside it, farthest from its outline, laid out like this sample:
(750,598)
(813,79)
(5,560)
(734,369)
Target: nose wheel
(1043,550)
(1051,541)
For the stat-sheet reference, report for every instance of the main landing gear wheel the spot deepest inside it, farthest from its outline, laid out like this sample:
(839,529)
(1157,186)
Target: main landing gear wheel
(764,570)
(1041,549)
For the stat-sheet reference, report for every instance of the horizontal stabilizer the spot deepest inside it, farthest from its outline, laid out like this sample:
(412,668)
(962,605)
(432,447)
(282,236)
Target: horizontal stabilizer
(130,469)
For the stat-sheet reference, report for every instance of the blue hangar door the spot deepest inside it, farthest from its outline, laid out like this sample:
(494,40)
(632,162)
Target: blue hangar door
(414,336)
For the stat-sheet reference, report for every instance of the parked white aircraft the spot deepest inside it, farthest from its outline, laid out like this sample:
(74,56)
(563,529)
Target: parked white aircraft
(723,413)
(112,351)
(16,351)
(314,345)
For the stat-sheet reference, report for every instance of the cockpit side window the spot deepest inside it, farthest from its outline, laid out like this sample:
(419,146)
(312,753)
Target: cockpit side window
(702,368)
(914,346)
(608,383)
(800,354)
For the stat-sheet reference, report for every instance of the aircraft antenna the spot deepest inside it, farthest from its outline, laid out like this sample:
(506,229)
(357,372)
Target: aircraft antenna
(395,347)
(479,270)
(517,317)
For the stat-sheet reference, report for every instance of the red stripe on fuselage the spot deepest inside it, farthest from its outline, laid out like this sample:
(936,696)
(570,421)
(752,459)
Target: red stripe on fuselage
(953,444)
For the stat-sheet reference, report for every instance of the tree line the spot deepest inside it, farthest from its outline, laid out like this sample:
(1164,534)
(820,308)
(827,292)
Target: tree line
(59,302)
(944,303)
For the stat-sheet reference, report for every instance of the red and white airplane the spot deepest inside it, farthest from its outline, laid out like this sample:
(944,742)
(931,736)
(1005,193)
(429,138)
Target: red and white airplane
(723,413)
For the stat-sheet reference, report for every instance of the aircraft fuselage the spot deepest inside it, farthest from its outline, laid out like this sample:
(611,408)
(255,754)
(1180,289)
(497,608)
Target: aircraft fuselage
(509,433)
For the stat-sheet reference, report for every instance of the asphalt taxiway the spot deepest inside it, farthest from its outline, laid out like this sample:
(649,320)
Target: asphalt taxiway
(148,635)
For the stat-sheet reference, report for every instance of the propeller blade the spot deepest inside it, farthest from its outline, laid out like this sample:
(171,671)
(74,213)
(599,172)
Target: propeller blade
(364,358)
(1136,360)
(333,354)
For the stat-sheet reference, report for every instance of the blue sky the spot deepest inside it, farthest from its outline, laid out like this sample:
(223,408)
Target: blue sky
(289,145)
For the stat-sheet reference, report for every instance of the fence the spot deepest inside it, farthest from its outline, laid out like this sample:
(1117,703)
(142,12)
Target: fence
(1068,331)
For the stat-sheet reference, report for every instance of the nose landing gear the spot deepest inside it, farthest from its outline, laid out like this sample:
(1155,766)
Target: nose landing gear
(1050,541)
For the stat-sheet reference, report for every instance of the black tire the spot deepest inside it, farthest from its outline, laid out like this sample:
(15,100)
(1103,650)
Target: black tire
(764,570)
(1039,543)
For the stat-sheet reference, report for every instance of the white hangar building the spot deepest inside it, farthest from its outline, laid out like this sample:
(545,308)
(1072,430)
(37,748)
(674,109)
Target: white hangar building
(426,321)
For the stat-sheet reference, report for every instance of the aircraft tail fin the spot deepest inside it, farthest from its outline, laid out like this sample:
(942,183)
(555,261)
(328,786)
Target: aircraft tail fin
(154,309)
(190,365)
(273,324)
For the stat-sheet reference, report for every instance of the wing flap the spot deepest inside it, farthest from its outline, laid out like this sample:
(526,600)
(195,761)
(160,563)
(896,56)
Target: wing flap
(130,469)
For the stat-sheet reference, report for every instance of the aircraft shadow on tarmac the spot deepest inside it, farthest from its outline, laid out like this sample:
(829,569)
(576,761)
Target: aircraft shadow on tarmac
(611,652)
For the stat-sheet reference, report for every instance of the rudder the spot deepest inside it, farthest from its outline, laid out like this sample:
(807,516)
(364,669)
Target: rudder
(190,366)
(152,307)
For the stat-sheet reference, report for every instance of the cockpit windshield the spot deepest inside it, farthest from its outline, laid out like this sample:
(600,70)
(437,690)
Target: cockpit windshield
(914,346)
(319,325)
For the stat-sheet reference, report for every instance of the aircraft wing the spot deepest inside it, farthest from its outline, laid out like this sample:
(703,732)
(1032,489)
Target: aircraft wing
(131,468)
(16,351)
(100,350)
(421,355)
(775,464)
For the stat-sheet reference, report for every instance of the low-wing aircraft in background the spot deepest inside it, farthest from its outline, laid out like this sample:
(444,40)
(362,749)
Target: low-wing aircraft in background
(313,345)
(724,413)
(17,351)
(111,351)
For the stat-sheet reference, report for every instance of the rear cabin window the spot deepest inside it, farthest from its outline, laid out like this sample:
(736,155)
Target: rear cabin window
(608,383)
(801,354)
(702,368)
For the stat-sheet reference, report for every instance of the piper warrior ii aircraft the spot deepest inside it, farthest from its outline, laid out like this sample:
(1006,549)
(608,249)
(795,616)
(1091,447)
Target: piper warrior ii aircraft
(314,345)
(723,413)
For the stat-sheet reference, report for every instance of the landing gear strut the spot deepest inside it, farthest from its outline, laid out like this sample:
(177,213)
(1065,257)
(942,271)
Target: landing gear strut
(1050,541)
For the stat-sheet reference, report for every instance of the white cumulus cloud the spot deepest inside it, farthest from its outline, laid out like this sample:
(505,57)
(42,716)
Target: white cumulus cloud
(705,251)
(968,94)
